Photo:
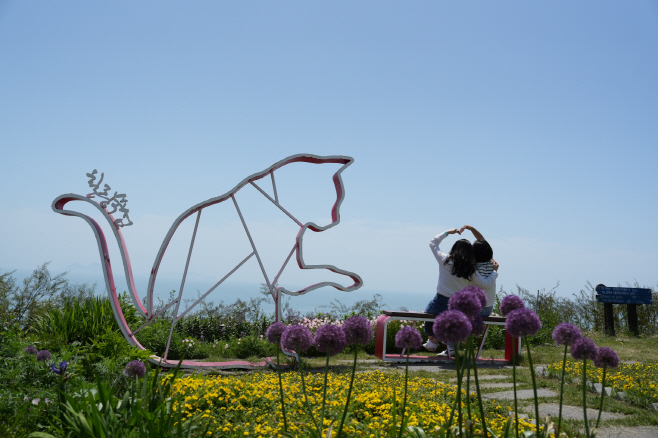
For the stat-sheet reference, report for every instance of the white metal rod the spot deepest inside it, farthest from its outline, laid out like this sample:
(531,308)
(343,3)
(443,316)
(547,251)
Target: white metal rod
(215,286)
(276,279)
(182,284)
(244,224)
(276,195)
(277,204)
(152,318)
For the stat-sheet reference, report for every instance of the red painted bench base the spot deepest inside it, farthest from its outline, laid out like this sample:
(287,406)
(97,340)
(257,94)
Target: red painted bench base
(387,316)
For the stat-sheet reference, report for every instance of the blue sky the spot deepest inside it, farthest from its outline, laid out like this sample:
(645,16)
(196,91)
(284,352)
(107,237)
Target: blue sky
(536,122)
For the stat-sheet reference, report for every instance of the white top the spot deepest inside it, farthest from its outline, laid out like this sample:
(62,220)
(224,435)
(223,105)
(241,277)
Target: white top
(448,283)
(486,269)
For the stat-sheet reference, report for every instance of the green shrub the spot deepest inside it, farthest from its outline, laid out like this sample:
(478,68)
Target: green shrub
(145,410)
(248,346)
(76,321)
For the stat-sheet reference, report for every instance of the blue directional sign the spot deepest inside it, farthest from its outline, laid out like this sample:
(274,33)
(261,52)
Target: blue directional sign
(623,295)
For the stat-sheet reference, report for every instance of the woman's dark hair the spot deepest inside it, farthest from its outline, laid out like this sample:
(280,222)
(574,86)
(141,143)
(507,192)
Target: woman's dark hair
(462,259)
(482,251)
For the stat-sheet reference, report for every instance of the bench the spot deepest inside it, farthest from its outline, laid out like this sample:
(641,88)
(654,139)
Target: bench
(387,316)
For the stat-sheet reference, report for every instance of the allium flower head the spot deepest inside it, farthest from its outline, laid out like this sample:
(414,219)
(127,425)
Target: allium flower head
(466,302)
(566,334)
(509,303)
(478,325)
(44,355)
(606,357)
(479,292)
(62,367)
(135,368)
(583,349)
(330,339)
(297,337)
(451,326)
(31,350)
(274,332)
(522,322)
(408,337)
(358,330)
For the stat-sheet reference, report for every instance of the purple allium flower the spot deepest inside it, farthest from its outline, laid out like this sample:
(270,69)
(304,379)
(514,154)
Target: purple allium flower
(522,322)
(466,302)
(566,334)
(478,325)
(408,337)
(274,332)
(583,349)
(358,330)
(31,350)
(330,339)
(606,357)
(297,337)
(135,368)
(44,355)
(451,326)
(479,293)
(509,303)
(62,367)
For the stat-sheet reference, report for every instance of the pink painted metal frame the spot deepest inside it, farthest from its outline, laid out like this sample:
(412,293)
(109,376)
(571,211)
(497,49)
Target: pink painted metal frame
(147,312)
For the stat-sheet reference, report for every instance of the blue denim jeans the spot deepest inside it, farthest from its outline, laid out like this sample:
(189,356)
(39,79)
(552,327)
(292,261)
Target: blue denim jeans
(439,304)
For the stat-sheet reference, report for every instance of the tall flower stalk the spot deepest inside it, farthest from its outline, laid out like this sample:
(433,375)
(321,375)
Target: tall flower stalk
(564,334)
(605,357)
(478,329)
(583,349)
(298,338)
(452,327)
(508,305)
(469,301)
(522,323)
(329,339)
(273,335)
(358,331)
(408,338)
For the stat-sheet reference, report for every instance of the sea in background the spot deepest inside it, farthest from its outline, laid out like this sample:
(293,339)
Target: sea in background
(318,300)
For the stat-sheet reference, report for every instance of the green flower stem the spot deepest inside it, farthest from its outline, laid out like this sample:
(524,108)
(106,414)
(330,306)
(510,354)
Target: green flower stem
(460,418)
(534,387)
(61,396)
(460,374)
(468,375)
(324,393)
(283,405)
(516,406)
(477,388)
(559,416)
(602,395)
(585,398)
(308,407)
(349,392)
(404,401)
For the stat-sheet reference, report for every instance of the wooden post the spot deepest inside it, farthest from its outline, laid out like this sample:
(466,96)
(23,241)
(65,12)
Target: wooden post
(631,311)
(609,319)
(631,296)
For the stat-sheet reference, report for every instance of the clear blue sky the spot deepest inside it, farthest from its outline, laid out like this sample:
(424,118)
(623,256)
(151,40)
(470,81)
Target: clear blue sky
(536,122)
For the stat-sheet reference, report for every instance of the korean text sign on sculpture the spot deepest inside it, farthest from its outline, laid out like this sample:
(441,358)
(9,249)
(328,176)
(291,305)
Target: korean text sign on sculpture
(108,205)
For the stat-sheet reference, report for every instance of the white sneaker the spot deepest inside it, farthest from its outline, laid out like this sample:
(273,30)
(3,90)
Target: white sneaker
(429,345)
(445,353)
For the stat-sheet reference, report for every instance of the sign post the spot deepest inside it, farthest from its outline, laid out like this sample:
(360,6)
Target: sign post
(631,296)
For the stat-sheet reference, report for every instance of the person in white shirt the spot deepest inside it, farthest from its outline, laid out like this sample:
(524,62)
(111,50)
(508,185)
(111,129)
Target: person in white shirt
(456,271)
(484,263)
